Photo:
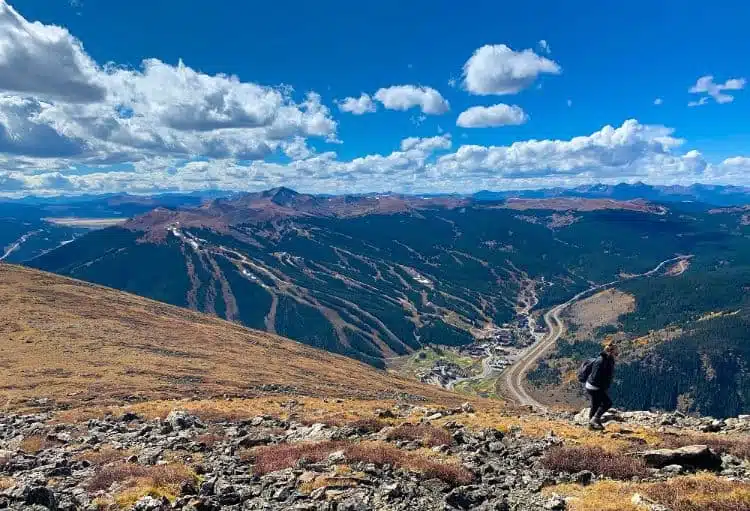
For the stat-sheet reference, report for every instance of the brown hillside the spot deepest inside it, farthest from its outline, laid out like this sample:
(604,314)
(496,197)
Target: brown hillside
(80,344)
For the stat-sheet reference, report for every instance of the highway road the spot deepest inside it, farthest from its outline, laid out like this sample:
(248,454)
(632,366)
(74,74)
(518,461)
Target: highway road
(515,375)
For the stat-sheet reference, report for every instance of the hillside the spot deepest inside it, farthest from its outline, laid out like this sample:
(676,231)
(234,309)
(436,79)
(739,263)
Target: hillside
(70,343)
(684,334)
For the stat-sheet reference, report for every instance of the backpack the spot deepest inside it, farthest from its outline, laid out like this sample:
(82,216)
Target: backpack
(585,370)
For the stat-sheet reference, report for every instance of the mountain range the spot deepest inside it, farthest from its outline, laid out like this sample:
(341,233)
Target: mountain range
(720,195)
(366,276)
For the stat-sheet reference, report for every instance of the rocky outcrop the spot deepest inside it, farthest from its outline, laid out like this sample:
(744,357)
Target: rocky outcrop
(692,456)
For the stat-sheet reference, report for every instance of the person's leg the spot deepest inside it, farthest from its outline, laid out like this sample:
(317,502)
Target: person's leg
(594,397)
(605,403)
(595,405)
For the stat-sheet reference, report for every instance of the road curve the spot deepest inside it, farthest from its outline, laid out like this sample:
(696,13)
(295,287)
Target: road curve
(515,375)
(487,371)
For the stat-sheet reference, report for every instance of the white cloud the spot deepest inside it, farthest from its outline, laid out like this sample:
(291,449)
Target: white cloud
(495,115)
(426,145)
(60,104)
(632,149)
(706,85)
(544,47)
(45,60)
(22,134)
(658,101)
(628,153)
(358,106)
(404,97)
(497,69)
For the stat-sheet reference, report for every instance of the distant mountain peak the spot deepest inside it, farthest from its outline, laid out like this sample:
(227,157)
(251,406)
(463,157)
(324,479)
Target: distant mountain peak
(281,195)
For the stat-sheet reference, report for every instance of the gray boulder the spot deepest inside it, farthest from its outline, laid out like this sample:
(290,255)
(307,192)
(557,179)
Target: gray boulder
(181,420)
(693,456)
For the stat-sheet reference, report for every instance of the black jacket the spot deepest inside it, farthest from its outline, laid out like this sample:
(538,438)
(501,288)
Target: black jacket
(602,372)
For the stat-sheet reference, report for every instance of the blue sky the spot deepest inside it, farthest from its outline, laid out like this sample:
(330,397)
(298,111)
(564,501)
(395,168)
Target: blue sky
(613,61)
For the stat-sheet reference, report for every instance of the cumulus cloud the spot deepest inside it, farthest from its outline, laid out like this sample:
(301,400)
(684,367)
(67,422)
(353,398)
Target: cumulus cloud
(706,85)
(497,69)
(628,153)
(45,60)
(404,97)
(358,106)
(58,103)
(490,116)
(22,132)
(633,149)
(426,145)
(181,98)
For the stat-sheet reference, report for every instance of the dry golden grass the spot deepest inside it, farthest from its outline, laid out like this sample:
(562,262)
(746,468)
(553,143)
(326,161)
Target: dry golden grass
(7,482)
(302,409)
(84,345)
(615,438)
(131,482)
(701,492)
(331,481)
(35,443)
(104,455)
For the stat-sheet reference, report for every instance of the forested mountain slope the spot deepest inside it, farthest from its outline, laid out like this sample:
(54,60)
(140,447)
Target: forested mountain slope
(371,277)
(686,339)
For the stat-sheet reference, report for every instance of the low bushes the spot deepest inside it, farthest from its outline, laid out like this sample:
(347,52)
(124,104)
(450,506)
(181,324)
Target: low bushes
(277,457)
(169,476)
(429,435)
(368,425)
(105,455)
(595,459)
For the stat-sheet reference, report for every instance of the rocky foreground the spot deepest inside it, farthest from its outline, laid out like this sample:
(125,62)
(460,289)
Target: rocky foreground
(401,458)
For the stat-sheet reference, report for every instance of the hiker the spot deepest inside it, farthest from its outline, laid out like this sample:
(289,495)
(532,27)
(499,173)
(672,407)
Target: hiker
(600,372)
